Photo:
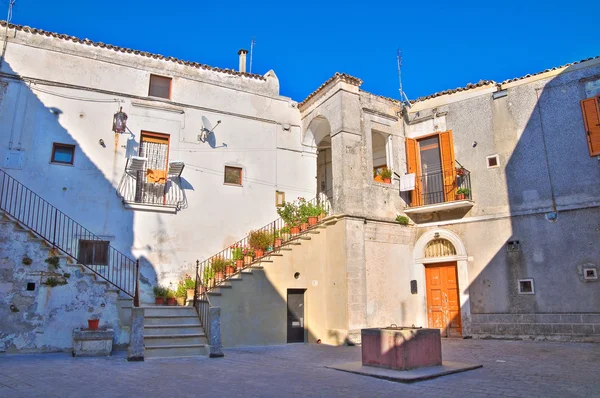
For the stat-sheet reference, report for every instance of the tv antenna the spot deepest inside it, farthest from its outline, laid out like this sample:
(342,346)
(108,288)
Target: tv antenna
(252,43)
(403,97)
(11,3)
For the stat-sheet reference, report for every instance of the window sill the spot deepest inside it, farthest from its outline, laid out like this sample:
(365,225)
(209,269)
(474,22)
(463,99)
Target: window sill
(62,164)
(151,208)
(233,185)
(383,184)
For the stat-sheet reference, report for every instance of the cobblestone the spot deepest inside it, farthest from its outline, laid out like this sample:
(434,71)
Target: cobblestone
(511,369)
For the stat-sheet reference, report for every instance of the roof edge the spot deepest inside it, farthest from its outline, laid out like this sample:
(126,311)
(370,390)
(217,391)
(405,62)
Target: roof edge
(336,77)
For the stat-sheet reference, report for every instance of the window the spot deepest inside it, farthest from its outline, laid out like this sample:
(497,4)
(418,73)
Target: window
(62,153)
(233,175)
(591,119)
(526,286)
(279,198)
(151,183)
(493,161)
(380,149)
(590,274)
(160,87)
(93,252)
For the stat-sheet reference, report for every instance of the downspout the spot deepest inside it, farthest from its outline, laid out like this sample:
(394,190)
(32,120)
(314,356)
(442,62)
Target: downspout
(539,111)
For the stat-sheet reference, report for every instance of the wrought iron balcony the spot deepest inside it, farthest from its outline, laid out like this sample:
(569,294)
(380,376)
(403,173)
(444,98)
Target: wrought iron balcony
(137,190)
(442,190)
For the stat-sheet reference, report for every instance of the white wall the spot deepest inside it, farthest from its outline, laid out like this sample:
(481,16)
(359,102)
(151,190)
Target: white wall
(251,135)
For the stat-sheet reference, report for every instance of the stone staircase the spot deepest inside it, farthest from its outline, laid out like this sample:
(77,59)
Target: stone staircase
(173,332)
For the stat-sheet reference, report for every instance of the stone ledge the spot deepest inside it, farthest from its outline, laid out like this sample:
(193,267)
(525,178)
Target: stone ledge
(92,343)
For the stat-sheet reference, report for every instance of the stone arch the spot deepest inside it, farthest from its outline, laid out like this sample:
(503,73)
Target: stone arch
(418,272)
(317,131)
(317,140)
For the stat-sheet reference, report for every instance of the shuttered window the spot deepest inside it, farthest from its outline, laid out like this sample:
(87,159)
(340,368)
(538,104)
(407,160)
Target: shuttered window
(448,169)
(591,119)
(160,87)
(93,252)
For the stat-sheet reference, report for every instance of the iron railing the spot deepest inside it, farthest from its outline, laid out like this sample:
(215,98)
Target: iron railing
(68,236)
(442,186)
(220,268)
(134,190)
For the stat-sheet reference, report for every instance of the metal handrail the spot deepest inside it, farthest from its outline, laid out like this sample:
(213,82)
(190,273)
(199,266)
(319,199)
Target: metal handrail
(65,234)
(441,187)
(134,191)
(208,278)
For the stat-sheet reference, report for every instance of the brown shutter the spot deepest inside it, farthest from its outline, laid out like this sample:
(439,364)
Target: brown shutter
(412,160)
(591,119)
(447,152)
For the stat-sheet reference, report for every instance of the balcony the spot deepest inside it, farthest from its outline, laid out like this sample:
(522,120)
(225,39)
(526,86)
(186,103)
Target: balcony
(138,192)
(441,191)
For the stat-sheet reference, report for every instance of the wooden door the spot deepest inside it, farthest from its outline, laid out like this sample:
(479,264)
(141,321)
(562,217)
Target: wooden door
(443,303)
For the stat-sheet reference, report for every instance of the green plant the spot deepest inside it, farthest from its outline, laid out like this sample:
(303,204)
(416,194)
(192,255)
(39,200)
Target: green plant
(66,275)
(248,251)
(402,220)
(170,293)
(26,260)
(386,173)
(463,191)
(53,261)
(207,275)
(236,253)
(52,282)
(160,291)
(218,264)
(188,282)
(181,290)
(289,213)
(285,230)
(260,240)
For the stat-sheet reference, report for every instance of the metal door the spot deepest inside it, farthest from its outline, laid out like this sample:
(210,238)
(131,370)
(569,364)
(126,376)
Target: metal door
(295,318)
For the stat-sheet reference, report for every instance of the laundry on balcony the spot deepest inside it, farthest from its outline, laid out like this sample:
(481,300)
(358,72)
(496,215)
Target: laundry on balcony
(407,182)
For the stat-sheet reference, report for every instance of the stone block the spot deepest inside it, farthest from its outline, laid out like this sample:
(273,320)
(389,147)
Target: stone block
(92,343)
(591,318)
(526,318)
(562,329)
(135,351)
(489,328)
(542,329)
(502,318)
(216,347)
(479,318)
(547,318)
(507,329)
(583,329)
(6,287)
(570,318)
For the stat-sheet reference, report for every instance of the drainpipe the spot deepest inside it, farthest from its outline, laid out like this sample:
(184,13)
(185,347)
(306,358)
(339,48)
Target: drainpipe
(539,111)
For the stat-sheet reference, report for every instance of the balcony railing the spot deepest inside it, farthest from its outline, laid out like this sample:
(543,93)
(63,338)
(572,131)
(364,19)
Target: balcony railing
(134,187)
(441,187)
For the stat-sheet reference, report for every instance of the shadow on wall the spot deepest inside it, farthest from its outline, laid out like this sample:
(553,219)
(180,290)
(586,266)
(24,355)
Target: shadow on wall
(43,319)
(533,284)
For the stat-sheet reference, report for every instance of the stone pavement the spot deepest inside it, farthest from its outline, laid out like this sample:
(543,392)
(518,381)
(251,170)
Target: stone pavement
(511,368)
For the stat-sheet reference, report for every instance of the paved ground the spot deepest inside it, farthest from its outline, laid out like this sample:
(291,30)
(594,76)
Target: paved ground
(511,368)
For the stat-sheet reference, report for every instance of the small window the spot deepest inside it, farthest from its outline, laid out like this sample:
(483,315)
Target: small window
(493,161)
(590,274)
(526,286)
(160,87)
(513,246)
(62,153)
(279,198)
(233,175)
(93,252)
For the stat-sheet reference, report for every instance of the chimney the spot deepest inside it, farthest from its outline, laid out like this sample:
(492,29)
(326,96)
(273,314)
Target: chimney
(242,53)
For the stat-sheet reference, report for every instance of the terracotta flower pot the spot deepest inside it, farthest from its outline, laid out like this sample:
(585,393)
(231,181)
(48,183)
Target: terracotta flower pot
(93,324)
(313,221)
(303,226)
(190,294)
(248,260)
(239,264)
(219,276)
(259,253)
(460,196)
(321,216)
(229,270)
(180,301)
(159,300)
(278,242)
(295,230)
(170,300)
(387,180)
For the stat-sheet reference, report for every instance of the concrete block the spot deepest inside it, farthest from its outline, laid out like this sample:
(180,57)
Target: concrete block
(135,351)
(570,318)
(216,346)
(562,329)
(583,329)
(92,343)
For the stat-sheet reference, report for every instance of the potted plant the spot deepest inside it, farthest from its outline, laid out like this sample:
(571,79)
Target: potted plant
(180,294)
(260,241)
(461,171)
(322,212)
(386,175)
(159,294)
(170,297)
(462,193)
(377,176)
(294,229)
(229,267)
(238,256)
(218,266)
(285,234)
(93,323)
(248,254)
(189,285)
(288,213)
(278,241)
(208,278)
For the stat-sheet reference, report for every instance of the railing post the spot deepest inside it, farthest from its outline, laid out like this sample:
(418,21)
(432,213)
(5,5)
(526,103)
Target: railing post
(55,220)
(196,284)
(136,297)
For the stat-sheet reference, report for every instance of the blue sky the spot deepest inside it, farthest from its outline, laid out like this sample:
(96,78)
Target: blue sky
(444,44)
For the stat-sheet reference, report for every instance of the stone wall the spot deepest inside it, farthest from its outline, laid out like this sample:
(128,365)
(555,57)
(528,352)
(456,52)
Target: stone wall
(42,319)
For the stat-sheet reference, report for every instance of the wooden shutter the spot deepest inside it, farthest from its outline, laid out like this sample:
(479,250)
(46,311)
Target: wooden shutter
(412,160)
(449,171)
(591,120)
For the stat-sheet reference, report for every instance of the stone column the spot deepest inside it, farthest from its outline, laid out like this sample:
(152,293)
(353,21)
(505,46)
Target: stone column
(135,351)
(216,347)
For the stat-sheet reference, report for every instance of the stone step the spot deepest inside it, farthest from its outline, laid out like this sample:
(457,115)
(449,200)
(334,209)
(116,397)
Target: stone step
(305,238)
(169,311)
(314,232)
(276,254)
(184,350)
(174,340)
(165,330)
(171,320)
(286,248)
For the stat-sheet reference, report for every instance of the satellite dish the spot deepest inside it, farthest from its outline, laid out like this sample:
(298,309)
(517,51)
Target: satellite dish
(207,129)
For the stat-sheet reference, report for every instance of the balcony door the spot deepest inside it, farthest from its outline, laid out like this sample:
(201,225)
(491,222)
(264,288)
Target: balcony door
(431,159)
(151,185)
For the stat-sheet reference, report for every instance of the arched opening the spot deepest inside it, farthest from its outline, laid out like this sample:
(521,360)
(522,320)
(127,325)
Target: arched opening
(318,138)
(439,248)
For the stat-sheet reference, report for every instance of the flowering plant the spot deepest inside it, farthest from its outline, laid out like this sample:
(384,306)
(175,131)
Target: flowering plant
(188,282)
(247,251)
(237,252)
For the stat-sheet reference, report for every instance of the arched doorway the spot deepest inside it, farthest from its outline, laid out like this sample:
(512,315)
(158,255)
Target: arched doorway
(441,262)
(317,139)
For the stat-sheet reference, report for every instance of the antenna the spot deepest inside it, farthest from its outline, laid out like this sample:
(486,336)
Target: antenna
(402,94)
(11,3)
(252,43)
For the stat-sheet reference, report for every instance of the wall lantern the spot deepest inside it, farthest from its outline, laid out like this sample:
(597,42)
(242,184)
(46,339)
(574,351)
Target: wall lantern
(120,121)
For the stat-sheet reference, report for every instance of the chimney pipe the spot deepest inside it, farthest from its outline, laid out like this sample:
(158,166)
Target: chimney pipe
(242,53)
